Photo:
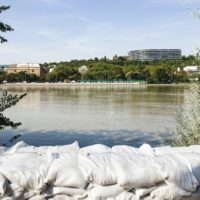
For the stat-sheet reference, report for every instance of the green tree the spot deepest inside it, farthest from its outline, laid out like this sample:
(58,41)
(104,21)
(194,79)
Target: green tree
(134,75)
(181,77)
(160,75)
(4,27)
(64,73)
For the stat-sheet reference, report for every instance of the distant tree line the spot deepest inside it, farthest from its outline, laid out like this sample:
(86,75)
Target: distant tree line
(19,77)
(120,68)
(109,70)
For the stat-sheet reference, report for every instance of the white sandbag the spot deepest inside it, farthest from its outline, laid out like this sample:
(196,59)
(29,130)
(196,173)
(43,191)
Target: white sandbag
(135,171)
(104,192)
(125,149)
(142,192)
(146,149)
(194,159)
(22,194)
(14,191)
(3,184)
(17,195)
(38,197)
(182,150)
(22,147)
(168,192)
(195,149)
(29,194)
(70,148)
(178,170)
(97,148)
(98,168)
(194,196)
(3,150)
(51,192)
(169,150)
(26,170)
(15,148)
(64,172)
(163,150)
(62,197)
(125,196)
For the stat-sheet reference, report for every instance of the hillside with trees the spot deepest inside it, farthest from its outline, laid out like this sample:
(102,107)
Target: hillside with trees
(121,69)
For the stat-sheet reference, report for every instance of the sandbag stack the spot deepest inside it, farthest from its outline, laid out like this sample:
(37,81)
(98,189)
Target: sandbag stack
(98,172)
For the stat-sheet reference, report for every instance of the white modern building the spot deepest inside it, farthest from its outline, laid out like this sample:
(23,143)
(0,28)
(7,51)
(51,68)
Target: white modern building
(191,69)
(155,54)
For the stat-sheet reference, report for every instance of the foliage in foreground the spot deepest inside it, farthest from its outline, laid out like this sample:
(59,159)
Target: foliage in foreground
(188,120)
(4,27)
(7,101)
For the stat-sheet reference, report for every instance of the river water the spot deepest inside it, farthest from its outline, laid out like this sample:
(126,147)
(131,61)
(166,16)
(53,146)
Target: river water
(90,115)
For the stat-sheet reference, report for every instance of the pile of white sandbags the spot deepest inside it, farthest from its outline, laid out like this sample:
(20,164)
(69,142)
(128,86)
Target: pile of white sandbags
(98,172)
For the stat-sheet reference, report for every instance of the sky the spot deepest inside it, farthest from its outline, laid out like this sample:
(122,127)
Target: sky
(62,30)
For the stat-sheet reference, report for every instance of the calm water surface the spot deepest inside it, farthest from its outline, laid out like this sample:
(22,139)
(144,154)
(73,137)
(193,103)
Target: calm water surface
(107,115)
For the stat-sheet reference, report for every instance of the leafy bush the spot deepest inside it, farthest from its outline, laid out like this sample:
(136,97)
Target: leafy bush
(188,120)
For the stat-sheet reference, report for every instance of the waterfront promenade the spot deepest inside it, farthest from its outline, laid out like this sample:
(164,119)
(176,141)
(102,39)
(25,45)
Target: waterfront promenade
(82,84)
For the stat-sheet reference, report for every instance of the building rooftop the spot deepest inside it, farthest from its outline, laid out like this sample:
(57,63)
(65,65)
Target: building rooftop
(28,65)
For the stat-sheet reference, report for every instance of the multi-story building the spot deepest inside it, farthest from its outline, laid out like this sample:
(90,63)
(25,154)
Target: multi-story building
(27,68)
(155,54)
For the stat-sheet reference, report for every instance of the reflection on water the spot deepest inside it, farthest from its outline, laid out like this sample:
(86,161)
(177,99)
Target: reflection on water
(108,115)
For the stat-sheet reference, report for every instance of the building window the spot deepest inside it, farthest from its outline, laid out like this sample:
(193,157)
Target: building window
(33,70)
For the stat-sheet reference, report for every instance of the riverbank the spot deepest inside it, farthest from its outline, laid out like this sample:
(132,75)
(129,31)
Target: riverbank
(8,85)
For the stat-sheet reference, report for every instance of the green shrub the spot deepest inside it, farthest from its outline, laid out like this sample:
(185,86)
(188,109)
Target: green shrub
(188,120)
